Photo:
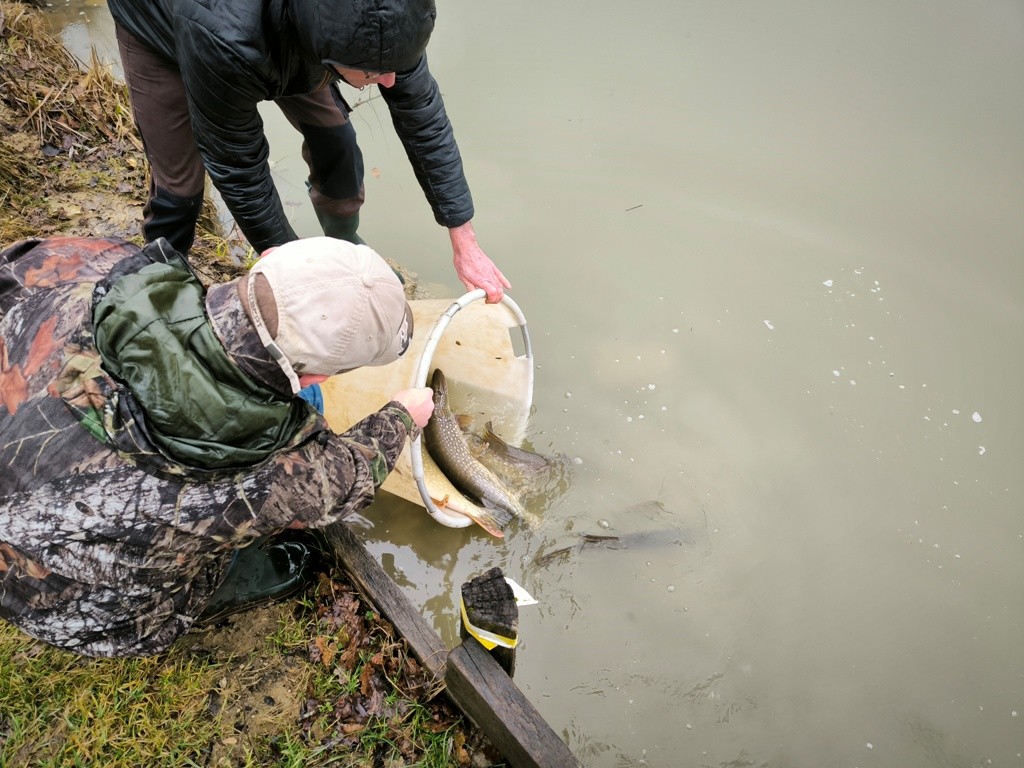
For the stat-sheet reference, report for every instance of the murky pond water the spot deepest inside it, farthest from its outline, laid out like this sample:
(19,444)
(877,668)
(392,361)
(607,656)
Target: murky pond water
(771,257)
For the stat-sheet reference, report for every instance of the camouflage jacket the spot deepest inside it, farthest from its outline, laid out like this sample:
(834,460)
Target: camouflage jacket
(110,546)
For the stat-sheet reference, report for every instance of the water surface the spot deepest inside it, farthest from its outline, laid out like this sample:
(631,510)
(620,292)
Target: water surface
(770,254)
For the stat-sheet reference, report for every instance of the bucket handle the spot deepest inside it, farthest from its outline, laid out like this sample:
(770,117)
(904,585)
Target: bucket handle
(423,368)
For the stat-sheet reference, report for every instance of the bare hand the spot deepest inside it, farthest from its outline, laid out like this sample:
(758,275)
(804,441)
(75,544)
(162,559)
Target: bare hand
(419,402)
(473,266)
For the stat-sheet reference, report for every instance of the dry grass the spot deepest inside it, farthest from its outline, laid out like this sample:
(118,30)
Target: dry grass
(54,96)
(69,157)
(71,162)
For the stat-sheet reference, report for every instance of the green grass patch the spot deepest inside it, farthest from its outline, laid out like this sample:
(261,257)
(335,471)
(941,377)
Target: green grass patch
(59,709)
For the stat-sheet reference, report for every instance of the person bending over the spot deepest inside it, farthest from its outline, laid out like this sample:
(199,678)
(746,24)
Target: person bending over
(196,72)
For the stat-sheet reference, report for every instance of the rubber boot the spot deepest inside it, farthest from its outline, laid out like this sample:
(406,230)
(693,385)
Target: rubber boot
(272,568)
(341,227)
(172,217)
(344,228)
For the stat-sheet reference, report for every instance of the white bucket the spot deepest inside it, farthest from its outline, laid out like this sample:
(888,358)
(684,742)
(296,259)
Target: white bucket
(474,344)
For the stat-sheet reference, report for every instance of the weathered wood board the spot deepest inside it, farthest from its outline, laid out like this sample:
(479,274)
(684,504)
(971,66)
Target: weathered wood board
(475,682)
(478,684)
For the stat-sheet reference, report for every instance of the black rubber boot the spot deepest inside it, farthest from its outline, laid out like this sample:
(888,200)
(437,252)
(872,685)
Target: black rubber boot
(272,568)
(344,228)
(340,227)
(172,217)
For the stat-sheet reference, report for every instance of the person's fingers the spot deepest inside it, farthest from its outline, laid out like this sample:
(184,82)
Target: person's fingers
(493,284)
(419,402)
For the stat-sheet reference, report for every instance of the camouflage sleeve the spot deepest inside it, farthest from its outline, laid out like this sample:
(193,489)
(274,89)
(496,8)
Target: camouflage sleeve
(329,478)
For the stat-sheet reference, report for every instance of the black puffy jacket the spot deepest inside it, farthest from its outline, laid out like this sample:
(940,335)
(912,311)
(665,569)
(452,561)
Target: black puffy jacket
(233,54)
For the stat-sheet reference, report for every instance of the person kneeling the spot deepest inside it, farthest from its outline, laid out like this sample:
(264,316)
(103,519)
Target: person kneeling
(152,437)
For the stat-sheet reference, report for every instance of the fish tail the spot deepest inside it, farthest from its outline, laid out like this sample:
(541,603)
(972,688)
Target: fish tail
(494,520)
(487,521)
(498,517)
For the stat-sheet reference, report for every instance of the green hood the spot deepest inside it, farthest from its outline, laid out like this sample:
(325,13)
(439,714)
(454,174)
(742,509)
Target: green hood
(153,334)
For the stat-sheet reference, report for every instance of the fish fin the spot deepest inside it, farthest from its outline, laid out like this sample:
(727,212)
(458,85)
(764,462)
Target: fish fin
(475,446)
(487,519)
(464,420)
(493,442)
(500,516)
(523,456)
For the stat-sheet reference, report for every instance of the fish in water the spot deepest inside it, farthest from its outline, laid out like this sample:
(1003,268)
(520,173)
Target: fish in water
(674,536)
(447,447)
(515,466)
(537,479)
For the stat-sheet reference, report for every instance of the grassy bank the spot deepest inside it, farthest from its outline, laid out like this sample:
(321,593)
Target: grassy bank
(312,682)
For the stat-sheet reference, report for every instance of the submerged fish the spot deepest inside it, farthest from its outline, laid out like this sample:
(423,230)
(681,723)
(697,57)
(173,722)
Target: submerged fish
(448,449)
(513,465)
(673,536)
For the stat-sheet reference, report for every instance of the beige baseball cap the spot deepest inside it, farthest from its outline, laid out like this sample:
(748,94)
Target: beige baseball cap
(339,307)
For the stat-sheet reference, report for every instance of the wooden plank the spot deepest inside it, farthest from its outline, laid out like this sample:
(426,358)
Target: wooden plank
(478,684)
(376,586)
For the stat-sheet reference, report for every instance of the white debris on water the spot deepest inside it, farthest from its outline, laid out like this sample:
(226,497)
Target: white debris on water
(976,417)
(604,524)
(981,450)
(577,460)
(827,283)
(768,325)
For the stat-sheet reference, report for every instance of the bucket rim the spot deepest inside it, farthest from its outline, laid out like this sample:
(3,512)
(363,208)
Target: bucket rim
(420,380)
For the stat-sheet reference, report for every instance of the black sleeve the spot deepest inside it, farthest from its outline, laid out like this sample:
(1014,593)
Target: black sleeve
(419,117)
(229,133)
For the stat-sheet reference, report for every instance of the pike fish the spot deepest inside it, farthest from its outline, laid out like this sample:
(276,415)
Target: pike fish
(447,447)
(538,479)
(504,460)
(674,536)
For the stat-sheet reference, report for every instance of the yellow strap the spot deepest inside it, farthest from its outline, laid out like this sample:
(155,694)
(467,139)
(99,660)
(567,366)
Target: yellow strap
(487,639)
